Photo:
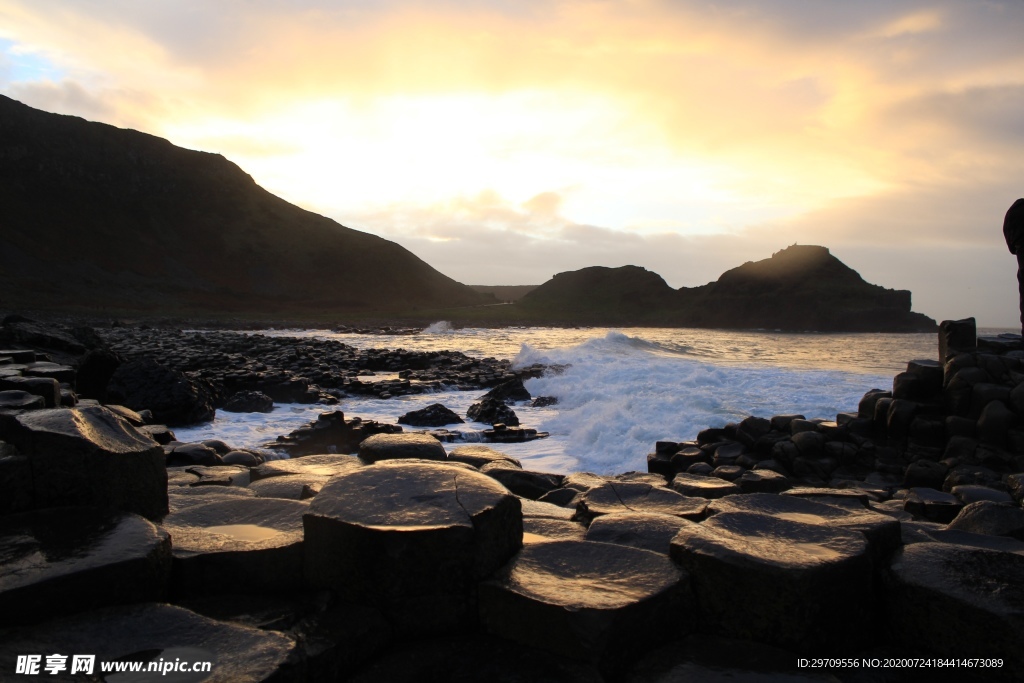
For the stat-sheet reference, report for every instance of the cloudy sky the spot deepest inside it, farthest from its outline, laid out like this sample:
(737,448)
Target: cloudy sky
(503,142)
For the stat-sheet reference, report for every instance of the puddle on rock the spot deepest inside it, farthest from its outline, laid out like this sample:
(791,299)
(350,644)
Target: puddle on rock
(251,533)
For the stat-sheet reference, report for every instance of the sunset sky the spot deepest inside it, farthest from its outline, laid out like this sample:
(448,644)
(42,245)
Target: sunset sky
(503,142)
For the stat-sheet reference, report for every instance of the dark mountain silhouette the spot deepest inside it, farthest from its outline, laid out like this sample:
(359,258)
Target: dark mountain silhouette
(798,288)
(97,217)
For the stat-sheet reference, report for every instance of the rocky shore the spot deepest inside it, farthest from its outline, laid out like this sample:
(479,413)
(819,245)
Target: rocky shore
(891,535)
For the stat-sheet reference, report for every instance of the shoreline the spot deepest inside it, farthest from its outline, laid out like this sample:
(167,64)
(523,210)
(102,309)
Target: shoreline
(845,519)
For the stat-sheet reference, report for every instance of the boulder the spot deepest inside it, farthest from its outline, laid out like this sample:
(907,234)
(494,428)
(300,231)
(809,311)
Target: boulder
(249,402)
(948,598)
(241,545)
(90,456)
(646,530)
(395,446)
(244,458)
(936,506)
(175,398)
(186,454)
(630,497)
(434,415)
(508,392)
(94,373)
(492,411)
(161,634)
(597,603)
(412,537)
(987,517)
(807,587)
(64,560)
(331,433)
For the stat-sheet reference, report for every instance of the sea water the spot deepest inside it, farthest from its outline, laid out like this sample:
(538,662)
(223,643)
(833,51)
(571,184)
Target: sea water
(624,389)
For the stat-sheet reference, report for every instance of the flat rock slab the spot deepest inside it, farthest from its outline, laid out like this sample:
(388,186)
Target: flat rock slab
(646,530)
(151,633)
(412,537)
(15,399)
(947,598)
(701,486)
(478,456)
(597,603)
(473,660)
(536,508)
(90,456)
(45,387)
(220,475)
(290,487)
(326,465)
(65,560)
(881,531)
(185,496)
(392,446)
(614,497)
(781,582)
(704,659)
(237,546)
(545,529)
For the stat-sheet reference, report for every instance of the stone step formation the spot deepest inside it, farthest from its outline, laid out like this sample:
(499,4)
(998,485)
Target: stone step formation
(895,531)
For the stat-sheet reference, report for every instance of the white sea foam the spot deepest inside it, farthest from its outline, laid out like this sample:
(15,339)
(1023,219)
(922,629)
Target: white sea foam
(620,394)
(440,327)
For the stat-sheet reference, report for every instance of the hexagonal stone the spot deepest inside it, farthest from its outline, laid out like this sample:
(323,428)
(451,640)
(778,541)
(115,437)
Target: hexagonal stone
(478,456)
(593,602)
(948,598)
(290,487)
(15,399)
(326,465)
(936,506)
(236,546)
(776,581)
(763,481)
(881,531)
(90,456)
(646,530)
(633,497)
(65,560)
(186,496)
(412,537)
(47,388)
(159,634)
(391,446)
(544,529)
(701,486)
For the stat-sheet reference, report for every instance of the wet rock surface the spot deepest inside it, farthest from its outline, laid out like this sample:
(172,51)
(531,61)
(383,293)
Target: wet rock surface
(434,415)
(413,537)
(805,587)
(242,545)
(65,560)
(613,497)
(90,456)
(591,602)
(401,446)
(151,632)
(948,598)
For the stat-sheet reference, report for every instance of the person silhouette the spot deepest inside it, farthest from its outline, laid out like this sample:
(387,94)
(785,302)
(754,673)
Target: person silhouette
(1013,231)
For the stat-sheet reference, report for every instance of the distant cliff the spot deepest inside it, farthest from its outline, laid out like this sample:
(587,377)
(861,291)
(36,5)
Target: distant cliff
(798,288)
(94,217)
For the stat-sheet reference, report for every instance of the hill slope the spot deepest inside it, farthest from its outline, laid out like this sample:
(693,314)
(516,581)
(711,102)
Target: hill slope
(798,288)
(93,216)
